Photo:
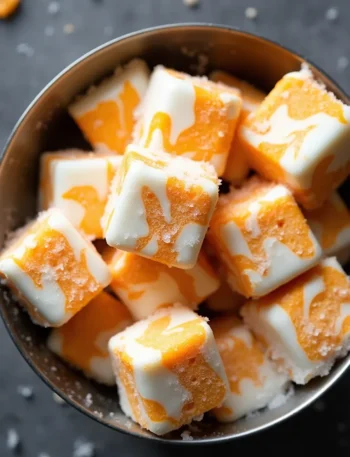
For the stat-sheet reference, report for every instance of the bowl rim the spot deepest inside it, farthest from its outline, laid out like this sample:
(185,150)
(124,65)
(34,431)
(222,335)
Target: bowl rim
(77,406)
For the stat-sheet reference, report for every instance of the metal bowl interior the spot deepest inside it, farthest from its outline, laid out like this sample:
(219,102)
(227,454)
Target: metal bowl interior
(46,126)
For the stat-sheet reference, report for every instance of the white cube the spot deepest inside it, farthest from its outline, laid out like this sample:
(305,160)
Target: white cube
(331,226)
(189,116)
(145,285)
(83,341)
(168,370)
(254,381)
(78,184)
(262,238)
(53,269)
(107,113)
(160,206)
(300,136)
(306,323)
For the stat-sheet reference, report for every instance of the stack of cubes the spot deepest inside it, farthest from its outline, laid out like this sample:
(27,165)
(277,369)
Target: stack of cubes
(262,257)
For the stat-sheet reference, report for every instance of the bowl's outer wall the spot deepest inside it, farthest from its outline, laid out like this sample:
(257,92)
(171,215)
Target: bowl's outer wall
(46,126)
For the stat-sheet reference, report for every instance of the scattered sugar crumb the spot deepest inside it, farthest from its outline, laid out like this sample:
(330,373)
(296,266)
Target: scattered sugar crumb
(83,448)
(57,399)
(49,30)
(68,29)
(13,442)
(26,391)
(25,49)
(342,63)
(332,14)
(251,13)
(88,400)
(186,436)
(191,3)
(53,368)
(319,406)
(53,8)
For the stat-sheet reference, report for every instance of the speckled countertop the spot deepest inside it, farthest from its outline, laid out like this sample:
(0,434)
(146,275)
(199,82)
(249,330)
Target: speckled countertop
(36,44)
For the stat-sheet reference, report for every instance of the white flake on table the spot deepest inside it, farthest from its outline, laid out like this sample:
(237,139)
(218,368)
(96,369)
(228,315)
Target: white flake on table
(251,13)
(12,440)
(25,391)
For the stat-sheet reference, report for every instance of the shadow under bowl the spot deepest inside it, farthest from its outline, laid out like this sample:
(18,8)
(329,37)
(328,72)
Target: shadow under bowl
(45,125)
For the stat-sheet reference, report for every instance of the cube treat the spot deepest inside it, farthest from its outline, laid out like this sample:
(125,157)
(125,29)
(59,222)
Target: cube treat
(83,341)
(78,184)
(160,206)
(305,323)
(253,380)
(145,285)
(53,269)
(106,114)
(331,226)
(237,166)
(300,137)
(189,116)
(168,369)
(262,238)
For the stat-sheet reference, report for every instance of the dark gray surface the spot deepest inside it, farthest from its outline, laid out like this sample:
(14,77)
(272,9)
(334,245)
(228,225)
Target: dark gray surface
(43,425)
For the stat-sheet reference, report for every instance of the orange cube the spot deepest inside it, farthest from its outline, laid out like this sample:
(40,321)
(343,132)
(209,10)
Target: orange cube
(254,381)
(53,269)
(83,341)
(8,7)
(237,166)
(331,226)
(261,237)
(106,114)
(160,206)
(189,116)
(306,323)
(300,136)
(145,285)
(78,184)
(168,368)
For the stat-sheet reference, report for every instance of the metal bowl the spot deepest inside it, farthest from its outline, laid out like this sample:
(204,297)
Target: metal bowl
(45,125)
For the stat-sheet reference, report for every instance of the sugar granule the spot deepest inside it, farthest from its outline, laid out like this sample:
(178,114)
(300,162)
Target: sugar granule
(12,441)
(83,448)
(191,3)
(53,8)
(251,13)
(186,436)
(25,50)
(68,29)
(342,63)
(88,400)
(332,14)
(26,391)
